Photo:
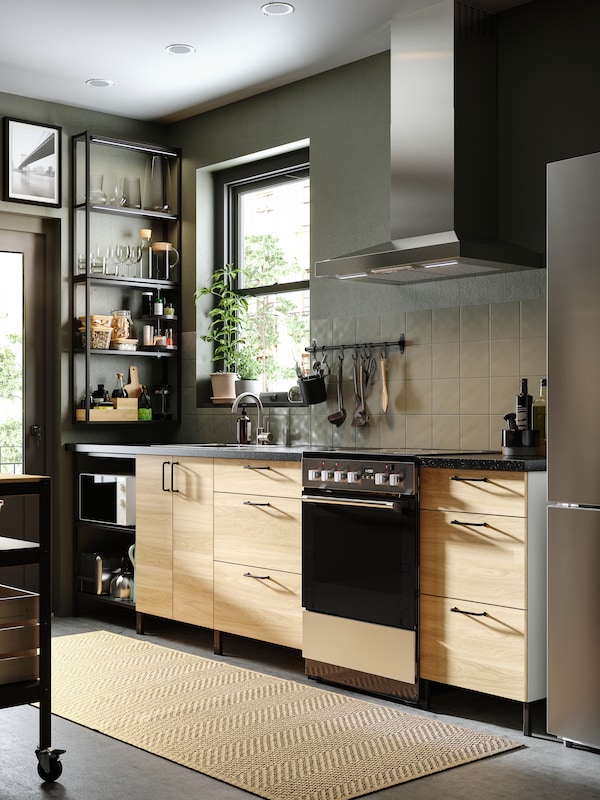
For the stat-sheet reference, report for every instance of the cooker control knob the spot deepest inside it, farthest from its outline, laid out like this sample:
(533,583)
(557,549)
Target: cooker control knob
(339,476)
(353,477)
(380,478)
(314,474)
(396,478)
(326,474)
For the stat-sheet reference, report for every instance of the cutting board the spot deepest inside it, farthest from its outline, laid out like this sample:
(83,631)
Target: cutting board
(133,388)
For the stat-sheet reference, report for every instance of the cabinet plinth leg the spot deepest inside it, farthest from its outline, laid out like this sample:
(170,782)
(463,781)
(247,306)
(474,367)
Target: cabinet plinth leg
(139,623)
(526,719)
(217,643)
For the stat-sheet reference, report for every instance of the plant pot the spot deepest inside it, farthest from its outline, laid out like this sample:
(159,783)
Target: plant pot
(247,385)
(223,386)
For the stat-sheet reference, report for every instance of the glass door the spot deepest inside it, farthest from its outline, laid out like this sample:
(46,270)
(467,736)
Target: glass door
(24,382)
(23,362)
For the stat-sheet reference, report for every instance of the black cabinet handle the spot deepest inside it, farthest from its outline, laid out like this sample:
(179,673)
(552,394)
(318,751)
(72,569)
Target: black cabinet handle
(250,503)
(257,577)
(469,524)
(461,478)
(469,613)
(252,466)
(173,465)
(164,488)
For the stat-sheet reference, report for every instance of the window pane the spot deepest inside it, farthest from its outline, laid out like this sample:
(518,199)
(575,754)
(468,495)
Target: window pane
(275,333)
(275,232)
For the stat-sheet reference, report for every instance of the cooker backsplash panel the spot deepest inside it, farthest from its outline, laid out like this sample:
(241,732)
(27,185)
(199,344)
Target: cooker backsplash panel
(449,390)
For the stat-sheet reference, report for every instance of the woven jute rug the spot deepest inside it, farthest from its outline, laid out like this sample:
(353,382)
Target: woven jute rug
(275,738)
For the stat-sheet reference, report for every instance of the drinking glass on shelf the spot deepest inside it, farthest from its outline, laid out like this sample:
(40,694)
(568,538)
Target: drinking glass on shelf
(134,256)
(121,258)
(116,196)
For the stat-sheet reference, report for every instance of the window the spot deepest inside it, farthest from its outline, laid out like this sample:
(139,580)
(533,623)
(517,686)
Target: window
(267,237)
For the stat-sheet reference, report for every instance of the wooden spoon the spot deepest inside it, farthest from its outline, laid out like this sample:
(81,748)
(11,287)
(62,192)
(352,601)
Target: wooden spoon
(384,391)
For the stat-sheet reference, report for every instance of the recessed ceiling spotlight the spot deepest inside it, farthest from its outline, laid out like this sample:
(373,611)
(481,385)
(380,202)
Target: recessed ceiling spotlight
(180,49)
(100,83)
(277,9)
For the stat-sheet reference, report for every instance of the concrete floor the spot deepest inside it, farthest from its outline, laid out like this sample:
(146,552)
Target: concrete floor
(96,766)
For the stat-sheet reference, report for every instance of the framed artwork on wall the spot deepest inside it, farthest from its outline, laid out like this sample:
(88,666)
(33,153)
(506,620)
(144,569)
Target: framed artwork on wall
(32,162)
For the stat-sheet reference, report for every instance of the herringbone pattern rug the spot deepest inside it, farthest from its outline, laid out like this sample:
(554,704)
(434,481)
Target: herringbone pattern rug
(275,738)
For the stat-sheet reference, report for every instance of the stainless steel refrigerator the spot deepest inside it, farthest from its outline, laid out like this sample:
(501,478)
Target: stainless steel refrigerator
(573,407)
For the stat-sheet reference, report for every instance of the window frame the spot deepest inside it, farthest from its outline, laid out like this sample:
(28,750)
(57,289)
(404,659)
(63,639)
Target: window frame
(228,185)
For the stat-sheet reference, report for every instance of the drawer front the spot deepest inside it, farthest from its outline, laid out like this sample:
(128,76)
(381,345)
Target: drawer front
(257,530)
(481,653)
(473,490)
(257,606)
(248,476)
(473,557)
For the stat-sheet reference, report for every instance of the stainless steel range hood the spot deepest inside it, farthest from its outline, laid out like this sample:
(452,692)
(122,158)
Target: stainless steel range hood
(444,198)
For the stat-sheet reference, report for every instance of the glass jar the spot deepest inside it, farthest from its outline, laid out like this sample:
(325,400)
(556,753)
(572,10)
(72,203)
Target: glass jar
(122,324)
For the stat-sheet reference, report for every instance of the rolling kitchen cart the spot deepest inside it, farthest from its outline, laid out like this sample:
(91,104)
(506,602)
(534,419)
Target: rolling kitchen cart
(25,638)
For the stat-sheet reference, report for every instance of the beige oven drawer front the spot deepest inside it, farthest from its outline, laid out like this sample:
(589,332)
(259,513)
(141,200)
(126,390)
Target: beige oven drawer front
(250,529)
(481,653)
(249,476)
(265,605)
(477,491)
(473,556)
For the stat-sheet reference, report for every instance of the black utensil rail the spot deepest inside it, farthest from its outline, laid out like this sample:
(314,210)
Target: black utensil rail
(18,552)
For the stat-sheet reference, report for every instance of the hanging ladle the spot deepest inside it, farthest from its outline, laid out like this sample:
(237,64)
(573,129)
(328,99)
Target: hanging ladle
(338,417)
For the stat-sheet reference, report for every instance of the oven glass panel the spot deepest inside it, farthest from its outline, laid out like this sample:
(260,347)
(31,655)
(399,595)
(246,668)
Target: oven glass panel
(360,563)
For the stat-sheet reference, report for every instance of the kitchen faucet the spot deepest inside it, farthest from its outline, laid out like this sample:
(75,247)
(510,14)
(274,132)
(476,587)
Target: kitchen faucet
(262,436)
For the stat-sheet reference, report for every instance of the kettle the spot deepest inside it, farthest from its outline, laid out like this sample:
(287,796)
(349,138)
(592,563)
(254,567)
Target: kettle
(120,586)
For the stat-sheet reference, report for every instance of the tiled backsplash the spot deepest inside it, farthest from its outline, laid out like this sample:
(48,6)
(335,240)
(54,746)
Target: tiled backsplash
(450,389)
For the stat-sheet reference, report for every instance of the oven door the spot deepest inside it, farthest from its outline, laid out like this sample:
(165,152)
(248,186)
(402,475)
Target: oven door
(359,558)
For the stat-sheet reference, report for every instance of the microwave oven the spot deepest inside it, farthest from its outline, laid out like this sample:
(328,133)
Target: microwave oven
(109,499)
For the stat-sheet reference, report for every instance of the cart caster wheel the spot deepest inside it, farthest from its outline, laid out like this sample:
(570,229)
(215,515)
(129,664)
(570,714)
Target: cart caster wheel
(49,764)
(53,773)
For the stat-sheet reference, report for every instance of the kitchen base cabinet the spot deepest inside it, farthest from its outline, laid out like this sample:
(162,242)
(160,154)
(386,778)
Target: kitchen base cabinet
(174,539)
(257,550)
(482,582)
(259,604)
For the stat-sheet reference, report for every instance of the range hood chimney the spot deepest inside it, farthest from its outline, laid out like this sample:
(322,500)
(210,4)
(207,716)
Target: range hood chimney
(444,165)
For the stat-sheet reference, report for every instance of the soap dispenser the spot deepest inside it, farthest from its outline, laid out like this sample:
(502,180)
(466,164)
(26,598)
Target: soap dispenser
(244,427)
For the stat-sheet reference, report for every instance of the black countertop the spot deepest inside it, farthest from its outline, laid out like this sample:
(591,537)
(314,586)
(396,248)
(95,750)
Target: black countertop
(425,458)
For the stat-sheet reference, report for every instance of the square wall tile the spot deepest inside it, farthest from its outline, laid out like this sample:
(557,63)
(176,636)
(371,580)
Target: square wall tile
(419,325)
(474,323)
(474,359)
(344,330)
(368,329)
(533,318)
(419,397)
(446,325)
(392,326)
(446,360)
(419,431)
(397,396)
(419,361)
(502,396)
(474,396)
(446,397)
(474,432)
(446,432)
(393,430)
(505,357)
(533,359)
(505,320)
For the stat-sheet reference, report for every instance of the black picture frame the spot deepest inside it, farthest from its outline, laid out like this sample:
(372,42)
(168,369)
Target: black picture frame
(32,162)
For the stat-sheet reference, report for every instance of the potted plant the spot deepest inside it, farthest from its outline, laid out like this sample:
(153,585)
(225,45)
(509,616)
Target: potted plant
(223,329)
(249,369)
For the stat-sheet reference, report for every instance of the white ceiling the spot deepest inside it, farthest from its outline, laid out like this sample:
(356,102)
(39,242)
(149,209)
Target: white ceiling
(49,49)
